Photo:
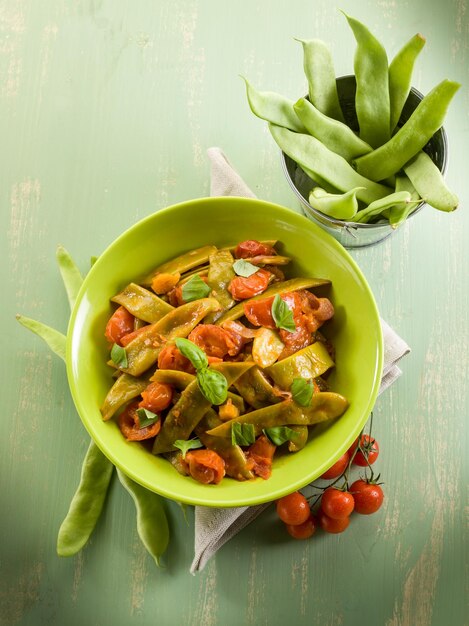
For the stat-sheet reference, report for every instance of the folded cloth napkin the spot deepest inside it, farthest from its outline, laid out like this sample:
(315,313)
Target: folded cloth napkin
(214,527)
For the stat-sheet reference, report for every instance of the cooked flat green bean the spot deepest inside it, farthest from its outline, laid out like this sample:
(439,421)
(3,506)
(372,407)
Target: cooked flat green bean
(319,71)
(293,284)
(307,363)
(412,136)
(399,213)
(152,525)
(372,97)
(301,440)
(398,198)
(56,341)
(71,275)
(400,76)
(125,388)
(428,181)
(87,503)
(254,387)
(335,135)
(273,107)
(315,158)
(220,274)
(339,206)
(142,303)
(181,264)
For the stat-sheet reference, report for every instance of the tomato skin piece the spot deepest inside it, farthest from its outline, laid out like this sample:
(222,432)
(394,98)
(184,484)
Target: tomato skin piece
(304,530)
(156,397)
(129,425)
(371,448)
(205,466)
(251,248)
(120,323)
(337,504)
(333,526)
(171,359)
(368,497)
(293,509)
(242,288)
(215,341)
(338,468)
(260,455)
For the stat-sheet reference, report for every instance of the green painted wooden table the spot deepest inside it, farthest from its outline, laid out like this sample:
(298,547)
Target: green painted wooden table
(107,109)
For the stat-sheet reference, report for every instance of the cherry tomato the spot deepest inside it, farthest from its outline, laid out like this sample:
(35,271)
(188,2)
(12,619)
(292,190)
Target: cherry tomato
(293,509)
(339,466)
(171,359)
(304,530)
(156,397)
(336,503)
(368,497)
(242,288)
(120,323)
(129,425)
(206,466)
(370,451)
(259,312)
(251,247)
(331,525)
(216,341)
(131,336)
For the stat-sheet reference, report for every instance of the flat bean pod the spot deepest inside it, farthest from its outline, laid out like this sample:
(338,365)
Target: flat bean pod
(273,107)
(335,135)
(300,440)
(399,213)
(152,524)
(220,274)
(56,341)
(397,198)
(307,363)
(254,387)
(372,96)
(181,264)
(339,206)
(71,275)
(412,136)
(319,71)
(125,388)
(142,303)
(400,76)
(87,503)
(428,181)
(315,158)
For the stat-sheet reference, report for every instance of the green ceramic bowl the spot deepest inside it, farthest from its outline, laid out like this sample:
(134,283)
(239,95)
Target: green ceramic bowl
(355,332)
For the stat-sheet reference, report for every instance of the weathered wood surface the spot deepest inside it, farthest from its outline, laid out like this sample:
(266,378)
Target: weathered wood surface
(107,109)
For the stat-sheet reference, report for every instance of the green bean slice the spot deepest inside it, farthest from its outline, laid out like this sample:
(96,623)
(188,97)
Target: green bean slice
(273,107)
(372,96)
(339,206)
(411,137)
(181,264)
(335,135)
(428,181)
(142,303)
(152,524)
(315,158)
(87,503)
(319,71)
(400,76)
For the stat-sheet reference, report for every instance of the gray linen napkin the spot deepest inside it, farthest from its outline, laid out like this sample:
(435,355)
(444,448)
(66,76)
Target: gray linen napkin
(214,527)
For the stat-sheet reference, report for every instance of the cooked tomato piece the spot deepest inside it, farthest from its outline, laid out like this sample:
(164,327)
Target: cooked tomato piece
(175,296)
(129,425)
(156,397)
(259,312)
(128,338)
(216,341)
(242,288)
(162,283)
(120,323)
(251,247)
(260,455)
(171,359)
(206,466)
(298,339)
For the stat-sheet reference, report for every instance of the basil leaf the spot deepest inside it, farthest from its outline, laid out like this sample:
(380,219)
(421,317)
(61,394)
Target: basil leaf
(194,289)
(119,356)
(196,355)
(244,268)
(242,434)
(186,445)
(213,385)
(280,434)
(146,417)
(302,391)
(282,314)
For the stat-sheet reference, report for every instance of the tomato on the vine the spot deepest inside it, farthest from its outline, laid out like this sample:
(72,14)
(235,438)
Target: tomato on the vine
(336,503)
(331,525)
(293,509)
(368,496)
(304,530)
(370,448)
(339,466)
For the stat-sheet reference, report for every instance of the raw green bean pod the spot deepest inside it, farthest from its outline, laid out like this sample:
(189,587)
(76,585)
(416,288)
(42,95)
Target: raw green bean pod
(427,118)
(142,303)
(181,264)
(71,275)
(315,158)
(273,107)
(300,440)
(319,71)
(56,341)
(325,405)
(335,135)
(125,389)
(400,199)
(372,96)
(284,286)
(339,206)
(400,76)
(429,183)
(152,525)
(220,274)
(399,213)
(87,503)
(307,363)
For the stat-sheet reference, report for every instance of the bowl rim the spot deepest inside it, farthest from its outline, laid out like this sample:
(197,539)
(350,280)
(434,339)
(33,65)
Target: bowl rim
(289,215)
